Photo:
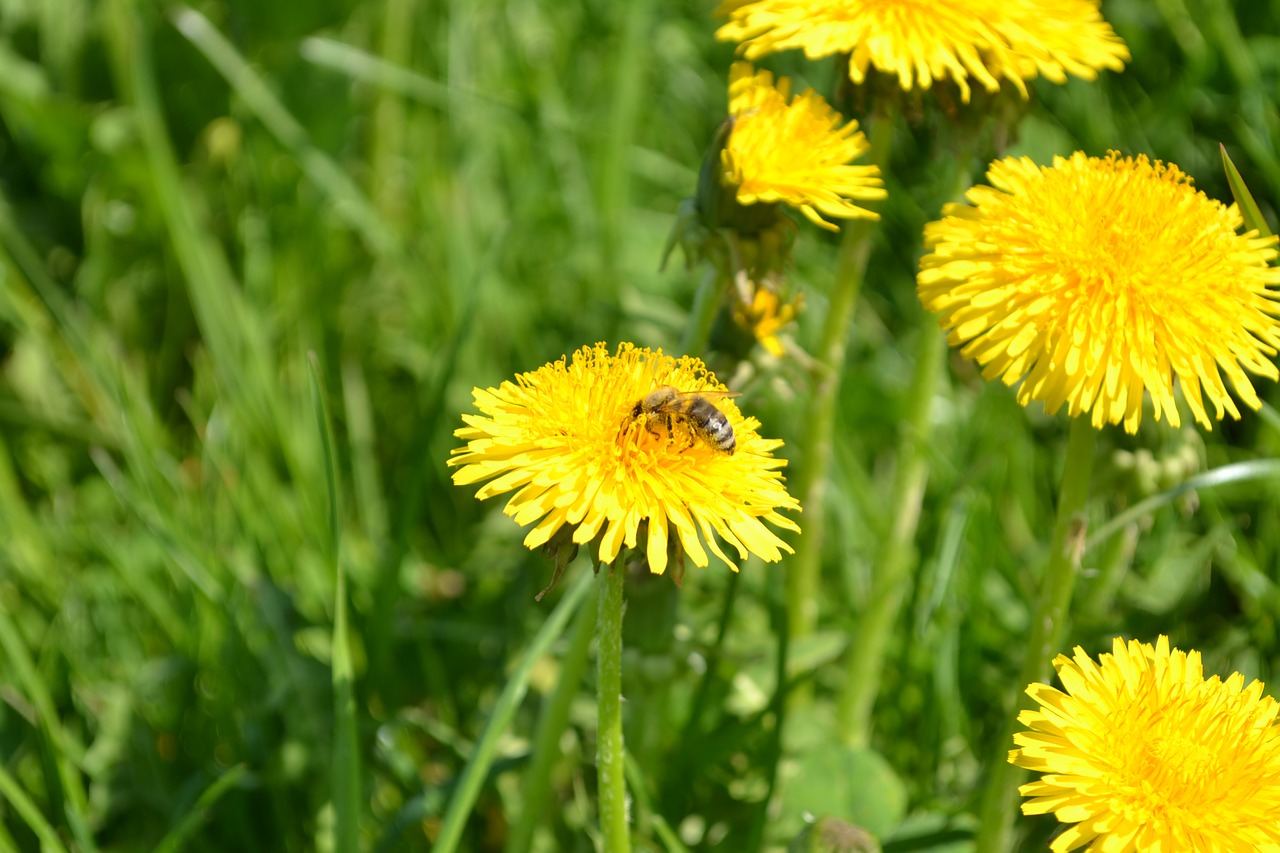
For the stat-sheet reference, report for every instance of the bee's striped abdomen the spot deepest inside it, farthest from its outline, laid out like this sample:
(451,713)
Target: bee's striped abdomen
(712,425)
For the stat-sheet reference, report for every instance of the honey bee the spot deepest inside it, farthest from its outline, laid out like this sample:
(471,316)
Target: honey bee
(692,410)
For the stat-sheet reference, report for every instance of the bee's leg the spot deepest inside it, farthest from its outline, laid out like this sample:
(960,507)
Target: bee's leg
(690,438)
(656,423)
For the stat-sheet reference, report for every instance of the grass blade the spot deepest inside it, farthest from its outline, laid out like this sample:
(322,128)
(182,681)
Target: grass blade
(349,201)
(1253,219)
(199,814)
(74,803)
(346,756)
(554,718)
(468,788)
(21,803)
(1237,472)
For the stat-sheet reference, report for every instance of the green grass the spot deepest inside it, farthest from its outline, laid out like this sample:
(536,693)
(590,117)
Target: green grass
(432,197)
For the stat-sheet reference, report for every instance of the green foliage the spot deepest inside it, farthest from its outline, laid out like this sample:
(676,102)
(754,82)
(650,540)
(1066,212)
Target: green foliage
(432,197)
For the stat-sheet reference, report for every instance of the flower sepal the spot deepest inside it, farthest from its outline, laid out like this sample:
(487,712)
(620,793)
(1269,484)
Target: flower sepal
(561,550)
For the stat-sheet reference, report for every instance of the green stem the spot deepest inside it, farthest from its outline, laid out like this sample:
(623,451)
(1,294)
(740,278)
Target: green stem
(546,740)
(703,317)
(803,570)
(1047,629)
(893,566)
(896,556)
(610,758)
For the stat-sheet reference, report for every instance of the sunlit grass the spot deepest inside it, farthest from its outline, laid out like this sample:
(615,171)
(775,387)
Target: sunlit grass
(434,198)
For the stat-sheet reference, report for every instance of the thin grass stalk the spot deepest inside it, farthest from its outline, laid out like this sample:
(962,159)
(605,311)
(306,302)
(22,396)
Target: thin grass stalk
(546,740)
(1215,478)
(896,559)
(473,775)
(610,757)
(640,789)
(232,334)
(345,764)
(803,570)
(1047,630)
(22,805)
(350,202)
(199,814)
(64,791)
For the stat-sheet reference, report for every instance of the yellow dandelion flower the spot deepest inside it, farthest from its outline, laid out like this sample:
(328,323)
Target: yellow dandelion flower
(766,316)
(1141,753)
(1054,38)
(1096,279)
(797,152)
(566,437)
(922,43)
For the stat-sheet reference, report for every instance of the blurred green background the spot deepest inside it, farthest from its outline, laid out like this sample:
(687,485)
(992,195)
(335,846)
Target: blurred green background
(435,196)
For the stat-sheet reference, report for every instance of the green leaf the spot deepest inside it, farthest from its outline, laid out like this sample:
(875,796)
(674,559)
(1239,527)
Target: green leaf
(849,783)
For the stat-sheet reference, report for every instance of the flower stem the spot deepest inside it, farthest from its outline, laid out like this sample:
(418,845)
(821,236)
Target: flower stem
(851,266)
(1047,629)
(896,556)
(610,759)
(865,662)
(705,304)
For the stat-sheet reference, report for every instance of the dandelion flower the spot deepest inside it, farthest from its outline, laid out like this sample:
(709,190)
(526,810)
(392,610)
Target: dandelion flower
(1096,279)
(1054,38)
(564,438)
(1141,753)
(797,152)
(766,316)
(922,43)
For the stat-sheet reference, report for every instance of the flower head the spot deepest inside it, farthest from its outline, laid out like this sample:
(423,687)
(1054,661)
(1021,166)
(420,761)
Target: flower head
(1142,753)
(1054,38)
(766,315)
(569,437)
(797,151)
(1095,279)
(921,42)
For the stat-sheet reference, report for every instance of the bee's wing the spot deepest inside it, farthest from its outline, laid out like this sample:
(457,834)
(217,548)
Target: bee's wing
(712,395)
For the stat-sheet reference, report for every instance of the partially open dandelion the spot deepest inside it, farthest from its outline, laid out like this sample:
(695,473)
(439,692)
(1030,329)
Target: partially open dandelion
(566,438)
(1142,753)
(798,151)
(766,315)
(922,43)
(1096,279)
